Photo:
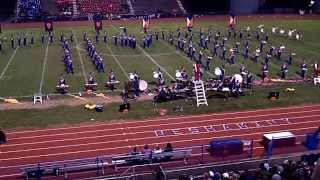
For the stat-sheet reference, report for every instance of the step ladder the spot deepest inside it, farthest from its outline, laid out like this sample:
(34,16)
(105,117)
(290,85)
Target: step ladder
(200,93)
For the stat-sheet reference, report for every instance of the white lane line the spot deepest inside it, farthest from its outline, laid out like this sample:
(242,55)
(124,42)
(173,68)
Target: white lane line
(80,56)
(155,62)
(156,137)
(44,66)
(177,123)
(8,64)
(296,108)
(174,142)
(118,62)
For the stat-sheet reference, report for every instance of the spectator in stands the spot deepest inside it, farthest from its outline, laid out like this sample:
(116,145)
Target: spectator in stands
(146,150)
(157,150)
(168,148)
(134,151)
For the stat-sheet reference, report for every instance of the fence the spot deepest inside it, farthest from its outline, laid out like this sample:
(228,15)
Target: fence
(122,166)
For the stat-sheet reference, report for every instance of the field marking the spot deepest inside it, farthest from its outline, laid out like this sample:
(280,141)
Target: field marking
(8,64)
(174,142)
(269,116)
(137,55)
(118,62)
(155,62)
(155,137)
(150,58)
(80,56)
(45,60)
(172,118)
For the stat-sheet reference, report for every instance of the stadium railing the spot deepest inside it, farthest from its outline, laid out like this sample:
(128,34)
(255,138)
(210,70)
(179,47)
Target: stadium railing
(121,164)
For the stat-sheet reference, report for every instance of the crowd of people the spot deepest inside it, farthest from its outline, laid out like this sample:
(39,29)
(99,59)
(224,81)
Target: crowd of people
(308,168)
(29,8)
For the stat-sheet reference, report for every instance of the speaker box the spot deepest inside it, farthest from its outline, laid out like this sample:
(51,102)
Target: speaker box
(274,95)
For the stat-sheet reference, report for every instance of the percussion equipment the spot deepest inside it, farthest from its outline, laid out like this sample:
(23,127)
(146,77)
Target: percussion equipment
(282,31)
(264,42)
(225,89)
(237,78)
(293,54)
(261,26)
(217,71)
(113,82)
(248,28)
(91,85)
(274,29)
(225,39)
(62,88)
(143,85)
(262,30)
(155,75)
(282,47)
(258,50)
(297,37)
(178,74)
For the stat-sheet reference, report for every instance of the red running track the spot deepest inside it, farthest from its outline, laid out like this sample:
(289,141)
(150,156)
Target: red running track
(92,140)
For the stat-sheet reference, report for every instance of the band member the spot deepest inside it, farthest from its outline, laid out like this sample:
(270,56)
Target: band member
(267,58)
(223,71)
(91,84)
(197,71)
(233,57)
(265,71)
(224,52)
(243,71)
(42,38)
(249,81)
(62,81)
(246,52)
(284,70)
(316,70)
(304,69)
(12,42)
(91,79)
(184,74)
(208,62)
(111,80)
(200,55)
(62,86)
(290,60)
(279,52)
(0,45)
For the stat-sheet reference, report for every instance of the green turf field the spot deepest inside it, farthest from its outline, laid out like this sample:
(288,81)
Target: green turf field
(27,70)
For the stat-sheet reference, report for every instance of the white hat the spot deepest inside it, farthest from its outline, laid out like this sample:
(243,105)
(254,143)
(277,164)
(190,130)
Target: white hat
(211,173)
(225,175)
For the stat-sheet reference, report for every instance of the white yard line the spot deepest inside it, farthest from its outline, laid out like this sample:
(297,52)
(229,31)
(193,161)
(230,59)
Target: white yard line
(8,64)
(118,62)
(44,66)
(155,62)
(80,56)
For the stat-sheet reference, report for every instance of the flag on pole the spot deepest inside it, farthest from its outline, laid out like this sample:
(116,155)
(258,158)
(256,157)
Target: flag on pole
(232,21)
(98,25)
(48,26)
(145,22)
(190,22)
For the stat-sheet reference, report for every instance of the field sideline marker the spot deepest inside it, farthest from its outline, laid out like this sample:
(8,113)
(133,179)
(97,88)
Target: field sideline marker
(80,57)
(8,64)
(45,60)
(118,62)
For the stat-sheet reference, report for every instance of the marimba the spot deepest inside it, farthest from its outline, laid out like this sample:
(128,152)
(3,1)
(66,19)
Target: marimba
(62,88)
(91,87)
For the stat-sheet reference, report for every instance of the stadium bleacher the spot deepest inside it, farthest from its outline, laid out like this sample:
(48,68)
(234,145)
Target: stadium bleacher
(99,6)
(29,8)
(152,6)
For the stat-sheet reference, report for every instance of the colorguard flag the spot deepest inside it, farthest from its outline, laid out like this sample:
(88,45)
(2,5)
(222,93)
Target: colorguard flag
(232,21)
(48,26)
(145,22)
(190,22)
(98,25)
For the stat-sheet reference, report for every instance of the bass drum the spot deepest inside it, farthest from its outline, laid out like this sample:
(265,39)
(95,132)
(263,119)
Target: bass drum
(143,85)
(217,71)
(155,75)
(178,74)
(237,77)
